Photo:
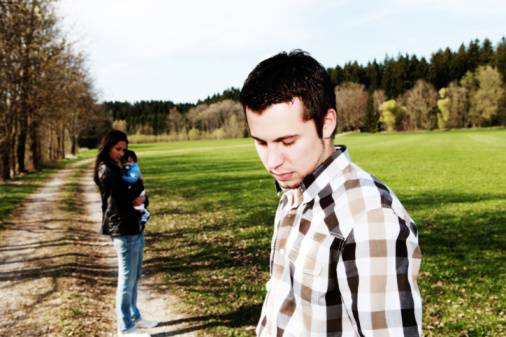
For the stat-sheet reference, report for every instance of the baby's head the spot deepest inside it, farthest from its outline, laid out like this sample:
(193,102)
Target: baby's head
(130,157)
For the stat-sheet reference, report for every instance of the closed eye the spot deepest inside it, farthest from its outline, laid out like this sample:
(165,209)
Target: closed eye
(288,141)
(260,142)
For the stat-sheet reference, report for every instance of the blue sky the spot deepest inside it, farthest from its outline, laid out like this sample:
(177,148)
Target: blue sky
(187,50)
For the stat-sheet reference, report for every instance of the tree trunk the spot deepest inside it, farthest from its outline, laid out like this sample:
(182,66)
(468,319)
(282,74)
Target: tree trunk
(58,143)
(49,136)
(12,151)
(62,145)
(6,159)
(23,132)
(74,144)
(35,145)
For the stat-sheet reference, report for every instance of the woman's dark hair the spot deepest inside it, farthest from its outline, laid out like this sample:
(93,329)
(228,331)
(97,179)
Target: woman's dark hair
(108,141)
(283,77)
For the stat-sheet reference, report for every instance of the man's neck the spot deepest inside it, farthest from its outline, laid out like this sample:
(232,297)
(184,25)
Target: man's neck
(328,150)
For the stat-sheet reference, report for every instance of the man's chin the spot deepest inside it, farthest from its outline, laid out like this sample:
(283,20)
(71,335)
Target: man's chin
(289,184)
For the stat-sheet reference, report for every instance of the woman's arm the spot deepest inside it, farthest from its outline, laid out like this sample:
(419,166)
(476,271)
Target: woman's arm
(110,179)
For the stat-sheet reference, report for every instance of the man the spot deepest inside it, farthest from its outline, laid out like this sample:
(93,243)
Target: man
(345,255)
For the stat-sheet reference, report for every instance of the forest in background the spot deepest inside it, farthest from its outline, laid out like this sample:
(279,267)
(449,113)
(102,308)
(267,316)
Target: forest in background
(49,106)
(453,89)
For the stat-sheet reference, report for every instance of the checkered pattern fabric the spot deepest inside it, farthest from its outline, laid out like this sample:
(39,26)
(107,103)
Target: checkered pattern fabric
(344,259)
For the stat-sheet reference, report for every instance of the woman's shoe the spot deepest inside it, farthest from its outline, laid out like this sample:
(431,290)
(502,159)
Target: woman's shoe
(144,323)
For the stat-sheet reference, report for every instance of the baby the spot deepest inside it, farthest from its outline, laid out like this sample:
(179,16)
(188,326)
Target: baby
(131,174)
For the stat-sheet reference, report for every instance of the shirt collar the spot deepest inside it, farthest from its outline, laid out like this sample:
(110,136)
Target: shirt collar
(313,183)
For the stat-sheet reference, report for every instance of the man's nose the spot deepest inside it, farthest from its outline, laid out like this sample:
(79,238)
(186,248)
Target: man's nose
(274,156)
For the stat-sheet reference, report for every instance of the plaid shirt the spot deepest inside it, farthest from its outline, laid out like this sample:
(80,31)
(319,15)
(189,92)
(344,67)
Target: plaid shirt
(344,259)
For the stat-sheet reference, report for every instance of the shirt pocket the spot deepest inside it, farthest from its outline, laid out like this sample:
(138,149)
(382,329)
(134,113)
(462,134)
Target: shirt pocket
(306,265)
(308,279)
(313,267)
(309,254)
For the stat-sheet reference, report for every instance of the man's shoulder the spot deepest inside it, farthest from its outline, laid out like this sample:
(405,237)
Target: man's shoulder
(355,197)
(355,184)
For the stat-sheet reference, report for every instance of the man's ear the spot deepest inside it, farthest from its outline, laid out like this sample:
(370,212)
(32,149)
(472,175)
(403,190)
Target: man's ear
(329,123)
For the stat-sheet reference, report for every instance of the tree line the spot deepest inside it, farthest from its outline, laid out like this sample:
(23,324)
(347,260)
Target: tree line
(397,75)
(453,89)
(214,117)
(48,105)
(477,99)
(46,95)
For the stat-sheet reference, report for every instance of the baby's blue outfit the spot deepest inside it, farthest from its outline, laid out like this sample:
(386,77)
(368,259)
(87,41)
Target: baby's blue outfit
(130,174)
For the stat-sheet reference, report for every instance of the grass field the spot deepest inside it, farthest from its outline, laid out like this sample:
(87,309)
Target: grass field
(213,206)
(13,192)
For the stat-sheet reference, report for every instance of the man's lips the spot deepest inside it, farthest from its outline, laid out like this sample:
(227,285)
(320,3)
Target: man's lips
(283,176)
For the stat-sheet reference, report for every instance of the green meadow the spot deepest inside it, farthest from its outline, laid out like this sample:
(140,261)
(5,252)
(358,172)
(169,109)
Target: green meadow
(213,206)
(12,193)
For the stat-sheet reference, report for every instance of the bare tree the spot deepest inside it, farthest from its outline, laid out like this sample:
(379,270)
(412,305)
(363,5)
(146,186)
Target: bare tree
(225,115)
(176,121)
(485,99)
(351,103)
(420,103)
(79,99)
(9,87)
(44,90)
(378,98)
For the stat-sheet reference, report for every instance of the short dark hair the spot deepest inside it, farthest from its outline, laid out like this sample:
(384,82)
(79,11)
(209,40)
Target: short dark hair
(283,77)
(130,154)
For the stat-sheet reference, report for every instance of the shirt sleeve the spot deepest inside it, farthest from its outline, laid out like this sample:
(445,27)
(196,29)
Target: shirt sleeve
(377,275)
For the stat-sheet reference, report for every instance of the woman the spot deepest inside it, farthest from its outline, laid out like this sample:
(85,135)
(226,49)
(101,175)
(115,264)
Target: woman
(122,222)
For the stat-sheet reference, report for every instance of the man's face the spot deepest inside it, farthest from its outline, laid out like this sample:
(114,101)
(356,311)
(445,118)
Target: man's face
(118,151)
(288,146)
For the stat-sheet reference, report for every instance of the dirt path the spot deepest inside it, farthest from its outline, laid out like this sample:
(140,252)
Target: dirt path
(58,276)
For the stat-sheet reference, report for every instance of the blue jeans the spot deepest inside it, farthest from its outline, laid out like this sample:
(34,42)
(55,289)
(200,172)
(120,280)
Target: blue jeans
(130,251)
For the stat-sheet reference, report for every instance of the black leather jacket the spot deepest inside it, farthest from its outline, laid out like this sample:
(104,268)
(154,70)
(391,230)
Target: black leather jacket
(118,215)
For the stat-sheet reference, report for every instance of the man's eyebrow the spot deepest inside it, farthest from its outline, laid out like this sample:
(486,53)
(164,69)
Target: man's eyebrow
(258,139)
(279,139)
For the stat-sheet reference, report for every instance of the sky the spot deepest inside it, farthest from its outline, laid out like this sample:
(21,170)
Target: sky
(186,50)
